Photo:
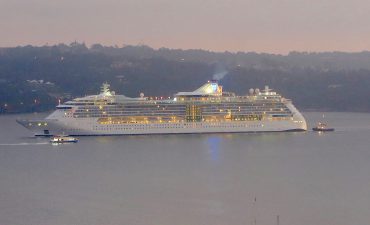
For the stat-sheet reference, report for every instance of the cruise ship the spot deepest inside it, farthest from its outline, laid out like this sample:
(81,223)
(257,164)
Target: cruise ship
(208,109)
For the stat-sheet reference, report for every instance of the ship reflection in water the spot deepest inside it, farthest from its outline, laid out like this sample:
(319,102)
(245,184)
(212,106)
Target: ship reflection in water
(214,147)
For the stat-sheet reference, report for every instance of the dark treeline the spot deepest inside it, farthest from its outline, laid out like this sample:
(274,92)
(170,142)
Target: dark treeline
(35,78)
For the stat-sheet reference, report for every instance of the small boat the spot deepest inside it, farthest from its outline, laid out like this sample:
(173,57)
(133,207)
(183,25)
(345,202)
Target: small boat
(322,127)
(63,139)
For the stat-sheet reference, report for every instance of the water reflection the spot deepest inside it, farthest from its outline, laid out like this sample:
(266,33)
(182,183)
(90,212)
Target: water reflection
(306,177)
(214,147)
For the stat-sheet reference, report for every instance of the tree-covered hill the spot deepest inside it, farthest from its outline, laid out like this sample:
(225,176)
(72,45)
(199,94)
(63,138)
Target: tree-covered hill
(35,78)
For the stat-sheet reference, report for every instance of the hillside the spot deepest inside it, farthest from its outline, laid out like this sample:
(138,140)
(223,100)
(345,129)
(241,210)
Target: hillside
(35,78)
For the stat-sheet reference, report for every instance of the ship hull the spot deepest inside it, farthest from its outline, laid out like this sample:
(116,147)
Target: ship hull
(90,126)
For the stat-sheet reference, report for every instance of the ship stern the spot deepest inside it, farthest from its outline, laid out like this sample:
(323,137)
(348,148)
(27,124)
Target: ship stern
(37,127)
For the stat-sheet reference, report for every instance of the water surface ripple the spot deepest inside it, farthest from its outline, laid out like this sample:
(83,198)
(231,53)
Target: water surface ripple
(210,179)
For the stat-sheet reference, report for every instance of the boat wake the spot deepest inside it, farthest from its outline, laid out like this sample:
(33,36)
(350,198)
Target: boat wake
(17,144)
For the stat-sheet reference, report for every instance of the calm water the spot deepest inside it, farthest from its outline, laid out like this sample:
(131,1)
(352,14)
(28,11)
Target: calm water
(306,178)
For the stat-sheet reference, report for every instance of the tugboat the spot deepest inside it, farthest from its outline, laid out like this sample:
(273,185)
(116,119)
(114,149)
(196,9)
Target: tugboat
(322,127)
(58,139)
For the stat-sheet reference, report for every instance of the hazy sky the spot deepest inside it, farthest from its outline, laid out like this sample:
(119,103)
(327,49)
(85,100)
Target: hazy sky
(275,26)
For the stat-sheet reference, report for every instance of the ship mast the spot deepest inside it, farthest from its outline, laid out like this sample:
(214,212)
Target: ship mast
(254,211)
(104,88)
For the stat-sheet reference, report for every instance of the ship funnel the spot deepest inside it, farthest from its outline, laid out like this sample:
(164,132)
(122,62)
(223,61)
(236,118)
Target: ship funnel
(211,88)
(267,89)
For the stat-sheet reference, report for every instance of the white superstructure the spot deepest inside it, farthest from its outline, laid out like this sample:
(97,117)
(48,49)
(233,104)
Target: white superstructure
(205,110)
